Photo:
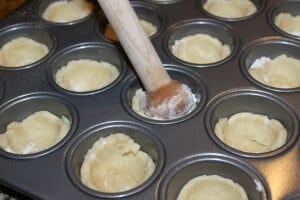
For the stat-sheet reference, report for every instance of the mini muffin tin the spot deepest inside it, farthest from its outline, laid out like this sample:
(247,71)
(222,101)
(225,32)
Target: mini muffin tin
(181,148)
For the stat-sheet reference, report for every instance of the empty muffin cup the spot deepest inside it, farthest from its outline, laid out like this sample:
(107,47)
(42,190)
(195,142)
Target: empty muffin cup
(201,42)
(132,90)
(86,68)
(239,172)
(25,45)
(232,10)
(142,136)
(151,19)
(258,55)
(44,104)
(252,102)
(284,17)
(65,12)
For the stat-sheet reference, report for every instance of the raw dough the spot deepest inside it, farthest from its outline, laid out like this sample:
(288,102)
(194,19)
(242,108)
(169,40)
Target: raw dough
(115,164)
(37,132)
(288,23)
(148,27)
(280,72)
(252,133)
(200,49)
(230,8)
(67,11)
(86,75)
(138,104)
(21,51)
(212,187)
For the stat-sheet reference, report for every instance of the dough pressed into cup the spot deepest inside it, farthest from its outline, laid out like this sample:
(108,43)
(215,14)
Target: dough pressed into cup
(115,164)
(22,51)
(252,133)
(86,75)
(230,8)
(67,11)
(212,187)
(148,27)
(280,72)
(288,23)
(37,132)
(138,105)
(200,49)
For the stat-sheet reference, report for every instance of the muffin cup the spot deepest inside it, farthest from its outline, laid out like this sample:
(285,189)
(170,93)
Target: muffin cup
(23,106)
(42,5)
(212,164)
(34,31)
(145,11)
(92,51)
(185,76)
(289,6)
(143,136)
(268,47)
(259,4)
(254,101)
(204,26)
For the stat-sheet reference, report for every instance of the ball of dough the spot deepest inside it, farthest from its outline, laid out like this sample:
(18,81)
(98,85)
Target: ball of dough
(37,132)
(212,187)
(288,23)
(252,133)
(86,75)
(22,51)
(115,164)
(67,11)
(230,8)
(200,49)
(280,72)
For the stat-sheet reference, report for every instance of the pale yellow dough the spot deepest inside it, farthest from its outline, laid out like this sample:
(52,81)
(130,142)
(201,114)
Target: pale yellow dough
(230,8)
(252,133)
(37,132)
(200,49)
(288,23)
(115,163)
(67,11)
(280,72)
(148,27)
(86,75)
(212,187)
(21,51)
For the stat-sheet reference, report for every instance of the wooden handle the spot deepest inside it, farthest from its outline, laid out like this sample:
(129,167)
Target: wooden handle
(136,43)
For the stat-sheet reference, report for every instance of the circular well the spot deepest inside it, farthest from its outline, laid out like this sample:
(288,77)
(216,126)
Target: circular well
(270,47)
(23,106)
(212,164)
(292,7)
(259,4)
(90,51)
(144,11)
(187,77)
(203,26)
(42,6)
(141,135)
(34,31)
(254,101)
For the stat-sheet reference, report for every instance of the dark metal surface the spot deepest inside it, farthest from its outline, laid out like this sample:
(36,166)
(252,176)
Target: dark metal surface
(182,148)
